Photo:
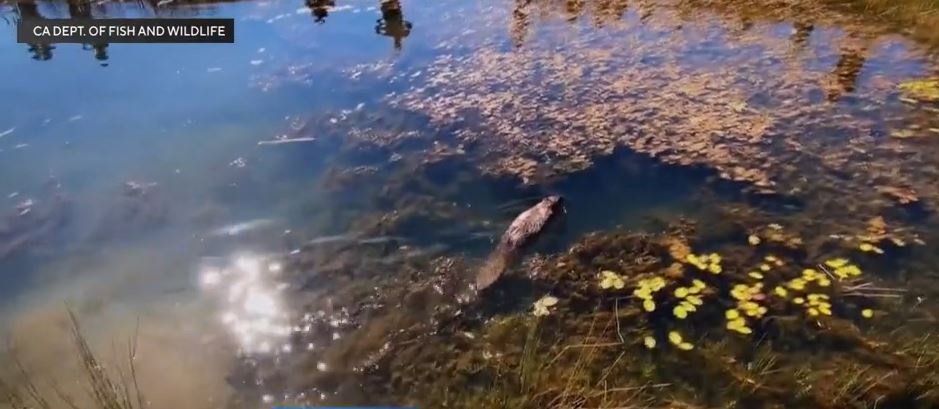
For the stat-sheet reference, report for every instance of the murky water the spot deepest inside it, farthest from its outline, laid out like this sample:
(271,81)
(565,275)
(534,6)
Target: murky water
(281,220)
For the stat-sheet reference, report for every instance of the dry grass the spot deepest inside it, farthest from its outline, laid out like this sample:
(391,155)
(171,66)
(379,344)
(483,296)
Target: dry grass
(106,389)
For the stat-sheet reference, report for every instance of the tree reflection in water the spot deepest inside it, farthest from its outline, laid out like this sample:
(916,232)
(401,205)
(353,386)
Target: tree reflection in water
(392,23)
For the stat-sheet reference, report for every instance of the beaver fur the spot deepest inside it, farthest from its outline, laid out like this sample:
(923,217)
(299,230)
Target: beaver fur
(520,233)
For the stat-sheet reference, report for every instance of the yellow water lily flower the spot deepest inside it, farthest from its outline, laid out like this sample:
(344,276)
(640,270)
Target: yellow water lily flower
(836,262)
(824,282)
(674,337)
(694,300)
(867,313)
(732,314)
(798,300)
(684,346)
(797,284)
(649,342)
(755,275)
(609,279)
(681,292)
(770,258)
(648,305)
(812,311)
(870,248)
(765,267)
(680,312)
(698,284)
(715,269)
(753,239)
(781,291)
(744,330)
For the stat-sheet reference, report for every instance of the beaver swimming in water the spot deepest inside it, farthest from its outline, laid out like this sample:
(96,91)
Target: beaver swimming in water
(520,233)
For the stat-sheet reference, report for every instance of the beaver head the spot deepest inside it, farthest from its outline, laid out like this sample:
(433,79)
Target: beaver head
(554,202)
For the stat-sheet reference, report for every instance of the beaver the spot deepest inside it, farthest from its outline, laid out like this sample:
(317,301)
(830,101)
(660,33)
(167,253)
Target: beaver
(520,233)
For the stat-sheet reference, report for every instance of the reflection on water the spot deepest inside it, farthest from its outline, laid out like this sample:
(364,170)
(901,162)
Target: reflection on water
(358,239)
(392,23)
(251,304)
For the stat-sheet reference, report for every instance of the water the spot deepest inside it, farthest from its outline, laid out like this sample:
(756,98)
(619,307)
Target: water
(281,220)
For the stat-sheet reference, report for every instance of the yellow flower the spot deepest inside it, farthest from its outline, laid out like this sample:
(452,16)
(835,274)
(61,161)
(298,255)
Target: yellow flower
(812,311)
(680,312)
(648,305)
(609,279)
(797,284)
(867,313)
(732,314)
(695,300)
(649,342)
(684,346)
(780,291)
(681,292)
(715,269)
(765,267)
(698,284)
(824,282)
(755,275)
(688,306)
(674,337)
(715,258)
(753,239)
(770,258)
(743,330)
(824,310)
(836,262)
(798,300)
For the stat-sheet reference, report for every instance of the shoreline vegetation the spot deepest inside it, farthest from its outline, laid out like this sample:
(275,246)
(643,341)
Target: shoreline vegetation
(918,18)
(113,388)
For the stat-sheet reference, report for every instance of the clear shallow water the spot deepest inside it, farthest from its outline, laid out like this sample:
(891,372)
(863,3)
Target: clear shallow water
(195,249)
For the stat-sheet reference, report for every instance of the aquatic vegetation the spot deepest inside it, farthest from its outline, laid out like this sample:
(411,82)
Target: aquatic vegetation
(649,342)
(870,248)
(706,262)
(867,313)
(542,307)
(925,89)
(609,279)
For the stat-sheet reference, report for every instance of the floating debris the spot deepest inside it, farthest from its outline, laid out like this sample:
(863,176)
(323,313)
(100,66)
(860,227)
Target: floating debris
(542,306)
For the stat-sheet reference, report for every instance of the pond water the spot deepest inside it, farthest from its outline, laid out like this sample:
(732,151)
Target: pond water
(285,219)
